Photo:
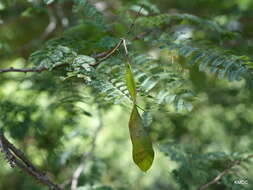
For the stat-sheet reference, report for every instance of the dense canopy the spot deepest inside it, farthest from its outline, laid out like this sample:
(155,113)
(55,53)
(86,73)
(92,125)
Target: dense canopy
(126,94)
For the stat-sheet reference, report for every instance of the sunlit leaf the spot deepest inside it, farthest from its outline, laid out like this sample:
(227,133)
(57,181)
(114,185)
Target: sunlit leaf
(143,153)
(130,82)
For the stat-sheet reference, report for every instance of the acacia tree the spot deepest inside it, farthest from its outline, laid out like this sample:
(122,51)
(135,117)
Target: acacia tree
(155,64)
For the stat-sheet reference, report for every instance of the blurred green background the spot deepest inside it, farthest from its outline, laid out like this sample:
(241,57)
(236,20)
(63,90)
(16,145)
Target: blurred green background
(54,122)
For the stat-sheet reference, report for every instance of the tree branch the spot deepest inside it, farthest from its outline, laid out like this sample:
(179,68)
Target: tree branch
(103,56)
(16,158)
(227,170)
(27,70)
(108,53)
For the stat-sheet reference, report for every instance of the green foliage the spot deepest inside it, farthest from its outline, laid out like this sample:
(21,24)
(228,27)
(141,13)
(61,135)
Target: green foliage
(166,19)
(192,167)
(143,153)
(163,82)
(109,83)
(88,11)
(51,57)
(130,82)
(189,92)
(17,118)
(214,60)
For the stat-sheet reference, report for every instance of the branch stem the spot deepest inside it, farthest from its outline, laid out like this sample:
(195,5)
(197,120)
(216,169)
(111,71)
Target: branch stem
(226,171)
(16,158)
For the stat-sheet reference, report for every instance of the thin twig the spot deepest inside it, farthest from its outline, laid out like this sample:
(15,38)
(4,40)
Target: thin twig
(227,170)
(88,155)
(133,23)
(16,158)
(28,70)
(109,53)
(103,56)
(25,70)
